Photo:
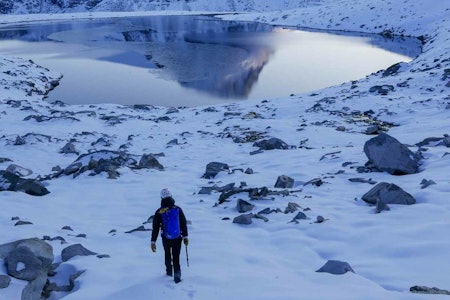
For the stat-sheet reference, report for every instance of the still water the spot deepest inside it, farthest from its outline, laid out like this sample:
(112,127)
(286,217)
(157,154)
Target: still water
(195,60)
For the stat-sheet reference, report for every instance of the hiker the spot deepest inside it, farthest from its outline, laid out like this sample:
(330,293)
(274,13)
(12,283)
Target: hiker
(172,222)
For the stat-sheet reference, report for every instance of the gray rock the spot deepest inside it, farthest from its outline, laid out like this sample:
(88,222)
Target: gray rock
(243,206)
(336,267)
(382,89)
(381,206)
(373,129)
(53,287)
(388,193)
(427,290)
(20,222)
(292,207)
(101,161)
(258,216)
(245,219)
(75,250)
(19,141)
(446,140)
(69,148)
(388,154)
(213,168)
(5,280)
(249,171)
(300,216)
(284,182)
(362,180)
(426,183)
(34,254)
(271,144)
(392,70)
(18,170)
(12,182)
(149,161)
(33,290)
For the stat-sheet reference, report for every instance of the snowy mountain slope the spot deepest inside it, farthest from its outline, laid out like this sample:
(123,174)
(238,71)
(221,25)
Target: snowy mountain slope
(26,6)
(389,252)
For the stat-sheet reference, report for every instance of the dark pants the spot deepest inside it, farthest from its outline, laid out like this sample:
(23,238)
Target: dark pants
(172,249)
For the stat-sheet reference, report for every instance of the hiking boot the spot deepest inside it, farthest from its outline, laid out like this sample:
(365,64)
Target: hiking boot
(169,272)
(177,277)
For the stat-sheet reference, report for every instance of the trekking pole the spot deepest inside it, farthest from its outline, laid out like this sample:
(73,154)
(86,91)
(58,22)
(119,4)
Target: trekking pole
(187,257)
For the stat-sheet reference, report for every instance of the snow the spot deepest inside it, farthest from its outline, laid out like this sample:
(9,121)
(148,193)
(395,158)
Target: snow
(389,252)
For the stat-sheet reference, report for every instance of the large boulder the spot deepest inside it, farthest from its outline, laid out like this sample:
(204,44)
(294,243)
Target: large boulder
(27,259)
(388,154)
(12,182)
(388,193)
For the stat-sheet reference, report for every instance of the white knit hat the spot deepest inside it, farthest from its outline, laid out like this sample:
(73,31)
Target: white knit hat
(165,193)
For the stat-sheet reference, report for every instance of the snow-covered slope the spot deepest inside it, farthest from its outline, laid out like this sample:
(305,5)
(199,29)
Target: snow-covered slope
(35,6)
(389,252)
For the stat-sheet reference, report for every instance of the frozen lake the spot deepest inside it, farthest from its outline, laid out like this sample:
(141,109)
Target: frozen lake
(195,60)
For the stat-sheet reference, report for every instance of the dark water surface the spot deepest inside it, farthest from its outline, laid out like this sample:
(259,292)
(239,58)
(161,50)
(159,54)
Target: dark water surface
(195,60)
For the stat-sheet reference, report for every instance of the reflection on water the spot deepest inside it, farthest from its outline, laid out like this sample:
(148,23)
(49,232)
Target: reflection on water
(195,60)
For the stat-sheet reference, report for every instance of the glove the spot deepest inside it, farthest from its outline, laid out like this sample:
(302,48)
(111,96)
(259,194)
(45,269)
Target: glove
(186,241)
(153,246)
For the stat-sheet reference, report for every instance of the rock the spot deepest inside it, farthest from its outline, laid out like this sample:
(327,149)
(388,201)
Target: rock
(392,70)
(300,216)
(75,250)
(249,171)
(33,290)
(213,168)
(427,290)
(271,144)
(245,219)
(5,280)
(388,154)
(27,259)
(19,141)
(20,222)
(69,148)
(373,129)
(140,228)
(292,207)
(362,180)
(67,228)
(100,161)
(388,193)
(336,267)
(284,182)
(426,183)
(149,161)
(18,170)
(382,89)
(12,182)
(53,287)
(320,219)
(446,139)
(258,216)
(243,206)
(380,206)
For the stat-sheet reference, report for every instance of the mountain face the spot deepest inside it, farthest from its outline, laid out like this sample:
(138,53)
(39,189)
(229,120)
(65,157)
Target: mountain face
(62,6)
